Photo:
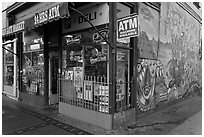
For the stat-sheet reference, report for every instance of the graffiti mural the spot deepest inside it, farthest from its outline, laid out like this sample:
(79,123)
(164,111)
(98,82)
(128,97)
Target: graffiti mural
(150,75)
(176,72)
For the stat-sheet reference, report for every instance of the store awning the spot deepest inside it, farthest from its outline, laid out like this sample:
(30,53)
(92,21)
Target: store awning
(48,15)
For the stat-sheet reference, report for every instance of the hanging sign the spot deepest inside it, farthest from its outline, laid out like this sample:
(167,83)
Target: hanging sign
(128,26)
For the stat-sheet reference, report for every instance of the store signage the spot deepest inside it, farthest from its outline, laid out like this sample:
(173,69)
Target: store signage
(35,46)
(128,26)
(71,39)
(96,14)
(14,28)
(47,15)
(97,37)
(89,17)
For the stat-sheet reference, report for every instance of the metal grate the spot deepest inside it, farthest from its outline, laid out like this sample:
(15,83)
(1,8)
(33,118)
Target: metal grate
(90,93)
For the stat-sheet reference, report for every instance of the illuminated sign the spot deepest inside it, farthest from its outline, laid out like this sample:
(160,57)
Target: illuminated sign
(71,39)
(128,26)
(98,38)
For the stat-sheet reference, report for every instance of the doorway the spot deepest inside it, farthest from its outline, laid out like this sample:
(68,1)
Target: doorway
(53,74)
(10,69)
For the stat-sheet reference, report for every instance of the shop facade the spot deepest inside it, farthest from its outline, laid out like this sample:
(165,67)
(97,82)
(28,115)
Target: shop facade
(108,63)
(10,61)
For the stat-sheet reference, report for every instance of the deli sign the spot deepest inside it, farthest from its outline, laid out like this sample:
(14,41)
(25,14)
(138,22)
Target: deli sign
(128,26)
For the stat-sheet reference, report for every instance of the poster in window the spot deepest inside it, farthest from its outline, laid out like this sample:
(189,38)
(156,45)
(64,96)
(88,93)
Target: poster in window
(88,90)
(103,95)
(78,76)
(120,88)
(69,75)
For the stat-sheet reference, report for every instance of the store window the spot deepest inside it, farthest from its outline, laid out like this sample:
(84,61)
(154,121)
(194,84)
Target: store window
(86,50)
(85,57)
(33,62)
(8,65)
(123,64)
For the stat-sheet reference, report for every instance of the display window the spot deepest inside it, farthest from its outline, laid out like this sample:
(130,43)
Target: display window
(84,67)
(87,51)
(33,63)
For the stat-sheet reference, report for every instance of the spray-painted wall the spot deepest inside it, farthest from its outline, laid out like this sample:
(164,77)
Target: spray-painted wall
(170,51)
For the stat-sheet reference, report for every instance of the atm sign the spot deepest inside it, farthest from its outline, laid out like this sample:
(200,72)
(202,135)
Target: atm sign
(128,26)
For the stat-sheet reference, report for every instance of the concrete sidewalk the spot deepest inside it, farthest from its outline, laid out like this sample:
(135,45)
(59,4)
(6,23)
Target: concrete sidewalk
(52,112)
(192,126)
(161,122)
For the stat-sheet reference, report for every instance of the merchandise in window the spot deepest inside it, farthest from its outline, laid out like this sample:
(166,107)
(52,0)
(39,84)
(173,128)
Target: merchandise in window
(84,67)
(33,63)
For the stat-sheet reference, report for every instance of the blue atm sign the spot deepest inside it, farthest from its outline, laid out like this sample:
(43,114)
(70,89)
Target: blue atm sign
(128,26)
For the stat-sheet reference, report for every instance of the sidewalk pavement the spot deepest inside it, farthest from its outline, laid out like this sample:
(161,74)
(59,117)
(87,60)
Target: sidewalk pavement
(192,126)
(52,112)
(161,122)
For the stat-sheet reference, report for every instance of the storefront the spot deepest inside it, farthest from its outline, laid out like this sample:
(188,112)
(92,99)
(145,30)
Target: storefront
(142,66)
(10,42)
(37,47)
(89,82)
(107,63)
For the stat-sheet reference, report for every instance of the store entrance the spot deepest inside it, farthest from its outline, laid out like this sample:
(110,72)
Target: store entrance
(53,71)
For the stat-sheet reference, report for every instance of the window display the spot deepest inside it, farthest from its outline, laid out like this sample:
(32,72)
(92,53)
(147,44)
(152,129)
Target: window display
(33,64)
(84,64)
(87,50)
(33,72)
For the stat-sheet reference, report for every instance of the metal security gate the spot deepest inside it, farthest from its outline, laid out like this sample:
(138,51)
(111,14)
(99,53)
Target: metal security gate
(90,93)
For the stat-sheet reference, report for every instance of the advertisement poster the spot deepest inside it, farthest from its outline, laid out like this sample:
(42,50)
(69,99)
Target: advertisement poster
(78,76)
(104,97)
(128,26)
(88,90)
(69,75)
(120,81)
(78,81)
(64,56)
